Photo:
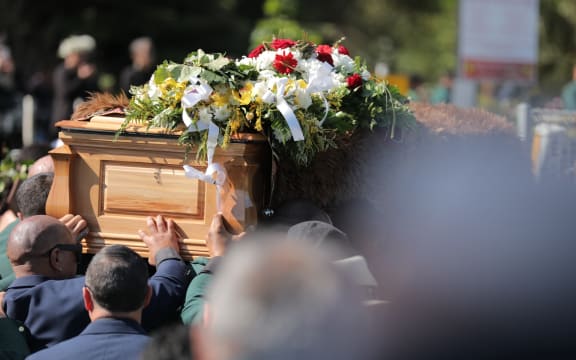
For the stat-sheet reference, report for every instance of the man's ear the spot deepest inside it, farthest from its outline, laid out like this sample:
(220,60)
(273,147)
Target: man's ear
(148,296)
(19,215)
(88,302)
(54,259)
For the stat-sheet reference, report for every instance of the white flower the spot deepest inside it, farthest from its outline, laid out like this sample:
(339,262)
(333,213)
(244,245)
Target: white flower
(268,97)
(247,61)
(302,98)
(205,115)
(262,91)
(343,62)
(319,75)
(258,89)
(267,75)
(265,60)
(340,79)
(221,112)
(154,91)
(365,75)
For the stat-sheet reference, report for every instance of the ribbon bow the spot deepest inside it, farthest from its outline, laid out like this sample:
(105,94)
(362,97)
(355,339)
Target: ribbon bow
(215,174)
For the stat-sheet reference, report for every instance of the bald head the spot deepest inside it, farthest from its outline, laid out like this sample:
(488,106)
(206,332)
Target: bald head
(35,236)
(43,165)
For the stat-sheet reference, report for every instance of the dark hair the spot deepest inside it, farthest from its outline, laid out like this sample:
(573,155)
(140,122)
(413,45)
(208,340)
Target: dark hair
(117,277)
(170,343)
(32,194)
(32,152)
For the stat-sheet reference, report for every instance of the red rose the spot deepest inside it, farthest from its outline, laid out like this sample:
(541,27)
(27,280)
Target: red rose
(354,81)
(285,63)
(282,43)
(257,51)
(324,53)
(342,50)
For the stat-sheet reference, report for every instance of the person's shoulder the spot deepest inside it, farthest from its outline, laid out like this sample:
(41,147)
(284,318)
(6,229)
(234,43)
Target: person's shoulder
(68,349)
(37,283)
(7,223)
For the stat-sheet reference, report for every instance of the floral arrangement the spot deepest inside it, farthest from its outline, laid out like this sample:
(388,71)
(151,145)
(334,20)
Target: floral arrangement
(301,96)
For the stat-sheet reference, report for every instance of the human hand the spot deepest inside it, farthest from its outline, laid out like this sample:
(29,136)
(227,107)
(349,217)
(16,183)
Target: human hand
(219,237)
(76,224)
(163,233)
(1,301)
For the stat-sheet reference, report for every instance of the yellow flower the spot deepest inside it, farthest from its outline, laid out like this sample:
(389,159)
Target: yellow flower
(219,98)
(244,96)
(172,90)
(167,85)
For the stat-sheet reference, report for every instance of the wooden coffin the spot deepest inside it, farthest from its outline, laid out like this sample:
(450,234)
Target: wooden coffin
(116,183)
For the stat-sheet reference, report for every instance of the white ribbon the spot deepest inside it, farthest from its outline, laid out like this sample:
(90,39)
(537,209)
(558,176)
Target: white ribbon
(195,93)
(215,174)
(287,112)
(192,96)
(326,107)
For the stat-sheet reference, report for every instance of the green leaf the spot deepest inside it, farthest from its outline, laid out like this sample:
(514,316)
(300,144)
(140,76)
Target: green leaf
(188,73)
(175,70)
(212,77)
(161,74)
(218,63)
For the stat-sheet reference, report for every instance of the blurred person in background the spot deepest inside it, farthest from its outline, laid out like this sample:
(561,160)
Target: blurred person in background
(442,92)
(569,92)
(417,91)
(143,57)
(74,78)
(10,101)
(39,85)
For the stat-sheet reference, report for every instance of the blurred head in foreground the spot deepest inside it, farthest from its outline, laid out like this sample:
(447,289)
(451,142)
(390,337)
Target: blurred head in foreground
(472,254)
(277,299)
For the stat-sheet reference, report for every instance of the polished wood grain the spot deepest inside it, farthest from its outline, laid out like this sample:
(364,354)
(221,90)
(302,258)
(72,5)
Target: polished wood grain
(115,183)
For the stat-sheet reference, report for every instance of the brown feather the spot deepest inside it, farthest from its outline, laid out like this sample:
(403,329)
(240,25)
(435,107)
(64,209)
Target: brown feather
(101,104)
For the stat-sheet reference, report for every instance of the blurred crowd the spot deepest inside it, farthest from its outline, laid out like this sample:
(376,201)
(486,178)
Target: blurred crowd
(497,96)
(55,95)
(56,92)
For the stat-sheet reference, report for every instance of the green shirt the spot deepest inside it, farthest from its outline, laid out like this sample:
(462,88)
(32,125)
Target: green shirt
(6,273)
(194,303)
(569,96)
(440,95)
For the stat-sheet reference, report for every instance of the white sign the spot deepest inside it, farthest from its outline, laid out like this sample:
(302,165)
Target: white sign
(498,38)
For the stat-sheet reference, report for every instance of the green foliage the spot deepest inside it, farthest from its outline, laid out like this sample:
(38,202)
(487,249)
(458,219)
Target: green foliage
(284,8)
(11,171)
(557,43)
